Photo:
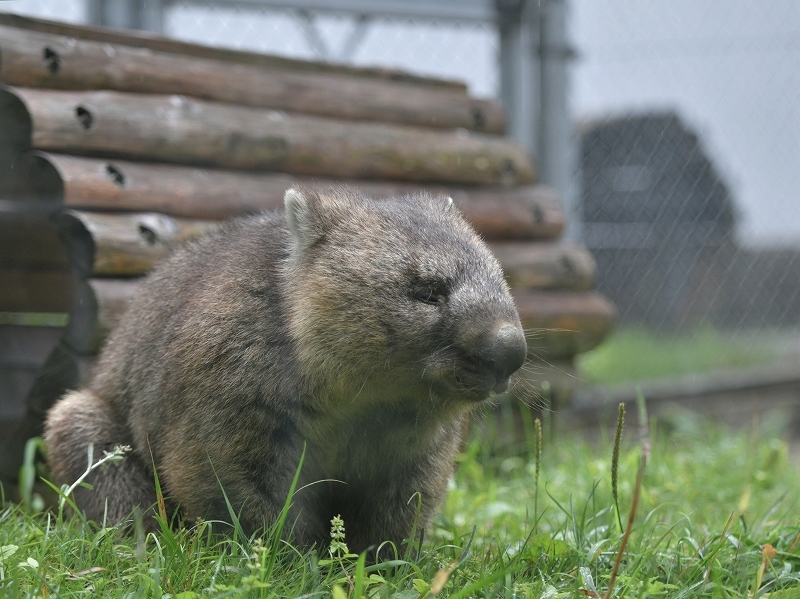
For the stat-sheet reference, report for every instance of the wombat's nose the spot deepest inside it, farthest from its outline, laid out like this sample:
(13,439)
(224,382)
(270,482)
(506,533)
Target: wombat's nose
(508,352)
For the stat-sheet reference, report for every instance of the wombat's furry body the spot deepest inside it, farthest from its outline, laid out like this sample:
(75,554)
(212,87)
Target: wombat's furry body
(365,330)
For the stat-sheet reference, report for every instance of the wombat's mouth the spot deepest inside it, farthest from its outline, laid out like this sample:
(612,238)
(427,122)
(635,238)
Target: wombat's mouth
(486,375)
(468,380)
(483,367)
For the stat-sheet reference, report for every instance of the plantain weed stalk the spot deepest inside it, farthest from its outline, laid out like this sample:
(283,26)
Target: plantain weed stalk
(615,462)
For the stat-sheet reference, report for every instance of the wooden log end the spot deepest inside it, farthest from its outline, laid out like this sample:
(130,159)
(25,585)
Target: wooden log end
(15,123)
(528,212)
(98,308)
(561,324)
(543,265)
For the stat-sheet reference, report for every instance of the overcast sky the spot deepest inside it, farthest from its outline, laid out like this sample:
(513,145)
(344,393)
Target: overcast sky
(730,68)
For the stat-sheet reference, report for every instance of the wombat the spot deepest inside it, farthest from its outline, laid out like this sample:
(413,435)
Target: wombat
(363,332)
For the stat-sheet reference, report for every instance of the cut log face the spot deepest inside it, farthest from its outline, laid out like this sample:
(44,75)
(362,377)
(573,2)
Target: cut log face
(35,59)
(546,265)
(23,351)
(28,183)
(26,289)
(100,305)
(28,388)
(529,212)
(35,270)
(179,130)
(15,128)
(560,324)
(31,241)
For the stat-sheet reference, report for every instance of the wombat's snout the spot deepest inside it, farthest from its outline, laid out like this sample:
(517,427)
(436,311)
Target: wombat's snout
(506,353)
(496,354)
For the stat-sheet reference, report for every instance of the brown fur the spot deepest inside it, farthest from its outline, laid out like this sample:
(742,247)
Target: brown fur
(365,331)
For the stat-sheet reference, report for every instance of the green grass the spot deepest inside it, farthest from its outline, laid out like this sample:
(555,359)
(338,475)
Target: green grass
(635,354)
(35,319)
(713,506)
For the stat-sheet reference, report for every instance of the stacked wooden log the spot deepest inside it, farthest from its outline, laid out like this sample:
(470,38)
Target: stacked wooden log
(115,147)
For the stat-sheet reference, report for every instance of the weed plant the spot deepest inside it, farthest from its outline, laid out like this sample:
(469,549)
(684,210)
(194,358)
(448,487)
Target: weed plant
(718,516)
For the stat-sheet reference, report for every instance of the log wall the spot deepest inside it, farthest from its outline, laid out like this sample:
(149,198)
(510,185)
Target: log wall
(117,147)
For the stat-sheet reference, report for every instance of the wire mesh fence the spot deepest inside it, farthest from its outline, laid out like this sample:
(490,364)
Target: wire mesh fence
(690,195)
(663,226)
(462,51)
(688,140)
(72,11)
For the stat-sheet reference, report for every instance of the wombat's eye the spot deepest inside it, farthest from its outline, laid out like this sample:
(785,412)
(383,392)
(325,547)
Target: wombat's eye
(428,295)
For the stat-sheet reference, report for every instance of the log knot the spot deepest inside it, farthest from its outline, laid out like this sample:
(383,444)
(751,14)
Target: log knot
(508,173)
(478,119)
(85,118)
(51,59)
(156,228)
(116,175)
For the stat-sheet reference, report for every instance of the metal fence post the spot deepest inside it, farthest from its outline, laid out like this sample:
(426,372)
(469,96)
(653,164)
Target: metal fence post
(534,59)
(556,140)
(518,25)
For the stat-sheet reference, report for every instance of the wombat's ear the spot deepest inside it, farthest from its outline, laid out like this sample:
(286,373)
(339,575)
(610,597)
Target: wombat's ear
(299,215)
(444,202)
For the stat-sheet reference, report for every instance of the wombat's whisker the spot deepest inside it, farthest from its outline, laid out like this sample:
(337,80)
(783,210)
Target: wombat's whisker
(362,386)
(441,350)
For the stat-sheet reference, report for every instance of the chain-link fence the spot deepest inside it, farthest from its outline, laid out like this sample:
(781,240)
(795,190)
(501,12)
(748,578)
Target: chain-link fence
(462,51)
(688,136)
(72,11)
(664,227)
(690,194)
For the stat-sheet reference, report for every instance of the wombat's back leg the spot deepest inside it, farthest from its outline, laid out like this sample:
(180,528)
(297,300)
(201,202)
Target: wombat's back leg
(81,418)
